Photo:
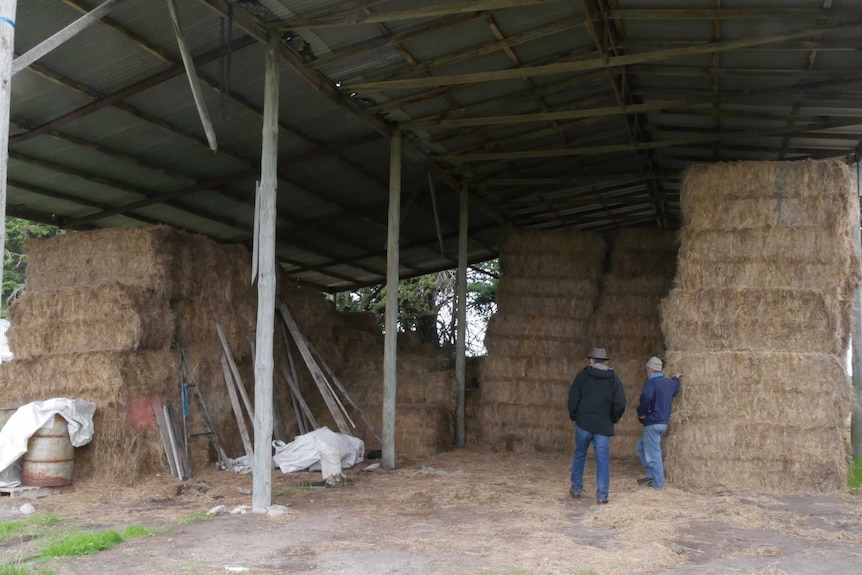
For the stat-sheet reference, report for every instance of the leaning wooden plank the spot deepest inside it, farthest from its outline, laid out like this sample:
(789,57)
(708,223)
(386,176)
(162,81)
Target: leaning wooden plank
(237,409)
(300,420)
(192,75)
(237,378)
(296,394)
(316,373)
(175,448)
(182,458)
(163,430)
(337,382)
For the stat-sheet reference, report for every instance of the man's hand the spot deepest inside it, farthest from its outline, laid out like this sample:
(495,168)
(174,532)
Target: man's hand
(677,375)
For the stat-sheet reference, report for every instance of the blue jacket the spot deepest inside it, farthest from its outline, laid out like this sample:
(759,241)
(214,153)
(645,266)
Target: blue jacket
(656,399)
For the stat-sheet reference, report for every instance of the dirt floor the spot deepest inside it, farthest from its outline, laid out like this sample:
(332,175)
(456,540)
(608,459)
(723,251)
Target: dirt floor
(464,512)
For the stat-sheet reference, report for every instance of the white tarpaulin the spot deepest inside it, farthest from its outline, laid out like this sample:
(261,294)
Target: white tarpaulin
(306,450)
(14,436)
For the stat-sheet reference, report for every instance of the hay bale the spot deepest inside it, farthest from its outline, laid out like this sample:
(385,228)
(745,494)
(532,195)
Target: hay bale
(110,380)
(558,297)
(127,256)
(517,427)
(551,254)
(723,319)
(531,369)
(757,195)
(110,317)
(643,252)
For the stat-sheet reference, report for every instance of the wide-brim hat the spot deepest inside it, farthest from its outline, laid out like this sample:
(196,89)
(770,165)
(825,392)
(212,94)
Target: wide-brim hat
(598,353)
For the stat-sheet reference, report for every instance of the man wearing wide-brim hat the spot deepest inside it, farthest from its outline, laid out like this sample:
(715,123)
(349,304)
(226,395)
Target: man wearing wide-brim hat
(596,402)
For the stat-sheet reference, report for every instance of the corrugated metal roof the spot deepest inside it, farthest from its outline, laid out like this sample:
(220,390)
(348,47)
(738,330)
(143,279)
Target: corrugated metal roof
(106,133)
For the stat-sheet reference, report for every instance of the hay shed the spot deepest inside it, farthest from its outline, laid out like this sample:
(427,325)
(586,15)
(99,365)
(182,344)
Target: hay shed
(535,116)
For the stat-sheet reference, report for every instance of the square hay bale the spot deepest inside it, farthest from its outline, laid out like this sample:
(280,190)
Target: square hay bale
(110,380)
(724,319)
(516,427)
(639,252)
(748,455)
(753,195)
(559,297)
(140,257)
(749,407)
(531,369)
(544,347)
(535,326)
(110,317)
(527,393)
(552,254)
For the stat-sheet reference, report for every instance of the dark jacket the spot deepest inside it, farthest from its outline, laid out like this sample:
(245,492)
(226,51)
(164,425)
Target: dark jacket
(656,399)
(596,399)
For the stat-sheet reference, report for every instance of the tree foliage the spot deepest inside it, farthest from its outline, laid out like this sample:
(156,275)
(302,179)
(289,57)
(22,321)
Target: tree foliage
(18,231)
(426,304)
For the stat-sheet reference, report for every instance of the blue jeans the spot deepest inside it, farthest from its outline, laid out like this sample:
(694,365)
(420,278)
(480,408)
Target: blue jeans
(649,450)
(601,446)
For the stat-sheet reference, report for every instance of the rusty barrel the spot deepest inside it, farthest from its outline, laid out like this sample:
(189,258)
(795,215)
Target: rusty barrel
(50,457)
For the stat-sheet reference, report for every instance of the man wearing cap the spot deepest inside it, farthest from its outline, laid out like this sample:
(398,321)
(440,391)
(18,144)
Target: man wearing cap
(654,413)
(596,402)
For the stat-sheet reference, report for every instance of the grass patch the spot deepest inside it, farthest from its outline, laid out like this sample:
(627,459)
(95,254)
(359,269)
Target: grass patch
(202,516)
(83,543)
(29,526)
(854,480)
(20,570)
(135,531)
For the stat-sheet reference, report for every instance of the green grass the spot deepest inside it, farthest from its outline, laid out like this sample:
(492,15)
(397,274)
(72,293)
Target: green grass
(20,570)
(202,516)
(82,543)
(135,531)
(29,526)
(855,478)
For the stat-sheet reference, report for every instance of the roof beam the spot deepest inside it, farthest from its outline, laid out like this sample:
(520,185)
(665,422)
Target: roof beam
(705,97)
(351,18)
(55,41)
(592,150)
(584,65)
(772,14)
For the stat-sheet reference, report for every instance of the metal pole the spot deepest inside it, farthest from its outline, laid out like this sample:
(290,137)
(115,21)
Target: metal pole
(461,336)
(263,362)
(7,47)
(391,325)
(856,418)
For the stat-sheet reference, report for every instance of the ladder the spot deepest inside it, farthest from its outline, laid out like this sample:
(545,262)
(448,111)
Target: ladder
(190,387)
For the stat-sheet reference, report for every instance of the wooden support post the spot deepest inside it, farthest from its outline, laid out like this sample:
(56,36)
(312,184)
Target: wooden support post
(60,37)
(856,418)
(461,302)
(390,345)
(263,361)
(7,47)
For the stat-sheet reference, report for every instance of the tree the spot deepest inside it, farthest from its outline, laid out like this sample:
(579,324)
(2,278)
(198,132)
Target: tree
(18,231)
(426,305)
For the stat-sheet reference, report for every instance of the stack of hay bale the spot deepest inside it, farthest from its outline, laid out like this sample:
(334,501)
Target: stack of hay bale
(425,391)
(627,321)
(758,324)
(96,322)
(538,338)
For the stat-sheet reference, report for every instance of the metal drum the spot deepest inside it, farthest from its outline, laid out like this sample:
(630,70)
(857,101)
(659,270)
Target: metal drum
(50,457)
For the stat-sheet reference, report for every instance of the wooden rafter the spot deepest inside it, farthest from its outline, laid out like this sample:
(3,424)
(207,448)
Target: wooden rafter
(351,18)
(581,66)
